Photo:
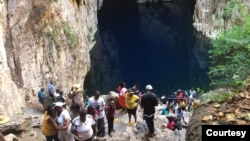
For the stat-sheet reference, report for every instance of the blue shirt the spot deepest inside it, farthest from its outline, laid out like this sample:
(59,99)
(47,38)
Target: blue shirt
(164,111)
(41,96)
(171,97)
(180,115)
(86,103)
(51,88)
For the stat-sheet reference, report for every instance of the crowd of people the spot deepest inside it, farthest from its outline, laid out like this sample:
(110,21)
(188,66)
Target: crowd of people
(72,117)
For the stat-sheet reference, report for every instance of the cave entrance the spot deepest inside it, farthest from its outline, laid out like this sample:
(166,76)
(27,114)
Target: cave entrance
(148,45)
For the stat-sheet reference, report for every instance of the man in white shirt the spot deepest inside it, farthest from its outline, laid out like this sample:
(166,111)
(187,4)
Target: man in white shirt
(56,95)
(98,103)
(83,126)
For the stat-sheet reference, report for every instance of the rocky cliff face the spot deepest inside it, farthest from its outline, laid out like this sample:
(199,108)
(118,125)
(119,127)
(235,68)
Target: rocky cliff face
(42,41)
(212,16)
(8,89)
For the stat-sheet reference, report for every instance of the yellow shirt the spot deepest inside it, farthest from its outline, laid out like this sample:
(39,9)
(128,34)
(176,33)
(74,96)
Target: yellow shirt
(48,129)
(131,101)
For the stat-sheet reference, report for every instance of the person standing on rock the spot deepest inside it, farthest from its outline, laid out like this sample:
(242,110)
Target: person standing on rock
(148,103)
(110,114)
(131,101)
(98,103)
(122,90)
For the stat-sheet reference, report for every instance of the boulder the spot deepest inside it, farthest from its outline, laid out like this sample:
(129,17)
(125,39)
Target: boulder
(16,124)
(10,137)
(112,95)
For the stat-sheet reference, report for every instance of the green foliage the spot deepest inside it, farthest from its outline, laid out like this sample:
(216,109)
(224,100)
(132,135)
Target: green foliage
(230,56)
(229,8)
(199,91)
(215,97)
(71,36)
(53,35)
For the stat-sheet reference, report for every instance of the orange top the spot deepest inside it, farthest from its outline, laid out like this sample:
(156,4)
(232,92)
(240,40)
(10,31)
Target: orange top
(122,101)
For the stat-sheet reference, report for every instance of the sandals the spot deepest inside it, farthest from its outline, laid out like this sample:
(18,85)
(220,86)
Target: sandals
(134,124)
(129,123)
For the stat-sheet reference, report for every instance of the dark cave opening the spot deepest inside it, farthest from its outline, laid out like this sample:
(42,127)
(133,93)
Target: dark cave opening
(156,45)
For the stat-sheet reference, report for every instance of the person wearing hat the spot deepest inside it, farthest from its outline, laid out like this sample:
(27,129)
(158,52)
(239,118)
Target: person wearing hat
(148,103)
(131,100)
(76,95)
(63,122)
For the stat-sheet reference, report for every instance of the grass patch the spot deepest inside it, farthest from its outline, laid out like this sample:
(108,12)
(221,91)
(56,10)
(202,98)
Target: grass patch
(216,97)
(53,34)
(72,38)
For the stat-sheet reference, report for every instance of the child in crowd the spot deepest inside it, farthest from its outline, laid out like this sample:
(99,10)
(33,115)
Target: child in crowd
(164,110)
(86,101)
(110,115)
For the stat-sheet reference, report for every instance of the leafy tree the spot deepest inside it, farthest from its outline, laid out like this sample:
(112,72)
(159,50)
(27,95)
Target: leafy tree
(230,56)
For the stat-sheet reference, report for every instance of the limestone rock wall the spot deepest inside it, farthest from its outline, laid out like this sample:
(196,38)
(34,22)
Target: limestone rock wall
(42,41)
(209,15)
(8,89)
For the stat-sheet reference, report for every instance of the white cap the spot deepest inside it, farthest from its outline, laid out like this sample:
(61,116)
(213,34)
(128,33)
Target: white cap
(59,104)
(149,87)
